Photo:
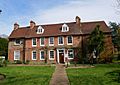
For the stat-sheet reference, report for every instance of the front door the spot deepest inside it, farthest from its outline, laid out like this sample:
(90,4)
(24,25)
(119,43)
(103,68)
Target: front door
(61,57)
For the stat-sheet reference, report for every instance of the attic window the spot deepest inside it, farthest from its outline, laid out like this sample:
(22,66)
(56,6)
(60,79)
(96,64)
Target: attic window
(40,30)
(65,28)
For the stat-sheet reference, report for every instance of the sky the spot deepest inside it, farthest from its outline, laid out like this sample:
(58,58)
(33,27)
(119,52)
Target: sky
(55,11)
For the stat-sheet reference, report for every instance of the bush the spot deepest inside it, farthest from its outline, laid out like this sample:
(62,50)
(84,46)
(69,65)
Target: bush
(27,62)
(18,62)
(3,62)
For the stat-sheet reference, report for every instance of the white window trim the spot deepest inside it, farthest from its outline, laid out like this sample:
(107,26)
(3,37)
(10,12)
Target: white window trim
(73,54)
(32,43)
(49,42)
(40,27)
(70,43)
(14,54)
(63,40)
(40,55)
(65,25)
(32,55)
(49,55)
(44,41)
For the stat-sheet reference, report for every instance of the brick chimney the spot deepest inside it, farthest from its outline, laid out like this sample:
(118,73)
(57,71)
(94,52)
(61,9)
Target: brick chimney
(78,20)
(16,26)
(32,24)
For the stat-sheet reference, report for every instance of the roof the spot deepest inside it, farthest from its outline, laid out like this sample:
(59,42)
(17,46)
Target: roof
(55,29)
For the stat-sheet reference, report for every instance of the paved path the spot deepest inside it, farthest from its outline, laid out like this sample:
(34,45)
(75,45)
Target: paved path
(59,76)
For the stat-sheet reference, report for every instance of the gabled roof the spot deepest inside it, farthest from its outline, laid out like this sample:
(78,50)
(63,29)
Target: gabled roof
(55,29)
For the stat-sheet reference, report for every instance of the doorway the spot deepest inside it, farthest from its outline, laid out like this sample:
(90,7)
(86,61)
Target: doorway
(60,56)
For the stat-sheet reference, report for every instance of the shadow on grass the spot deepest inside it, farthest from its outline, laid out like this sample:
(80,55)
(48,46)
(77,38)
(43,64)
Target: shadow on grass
(114,76)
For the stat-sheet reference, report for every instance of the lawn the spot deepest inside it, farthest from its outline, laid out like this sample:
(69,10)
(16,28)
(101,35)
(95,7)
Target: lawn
(27,75)
(92,76)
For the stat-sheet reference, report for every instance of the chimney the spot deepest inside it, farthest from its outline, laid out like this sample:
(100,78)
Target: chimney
(16,26)
(78,20)
(32,24)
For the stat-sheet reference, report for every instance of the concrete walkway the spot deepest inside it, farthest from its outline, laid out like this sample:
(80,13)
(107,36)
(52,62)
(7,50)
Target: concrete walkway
(59,76)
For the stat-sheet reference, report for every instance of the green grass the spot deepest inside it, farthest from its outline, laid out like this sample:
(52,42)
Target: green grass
(29,75)
(92,76)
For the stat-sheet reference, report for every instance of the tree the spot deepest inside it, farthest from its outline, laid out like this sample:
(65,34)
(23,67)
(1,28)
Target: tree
(96,42)
(115,36)
(4,47)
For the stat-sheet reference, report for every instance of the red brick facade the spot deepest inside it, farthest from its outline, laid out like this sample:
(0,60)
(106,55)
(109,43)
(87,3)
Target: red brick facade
(25,51)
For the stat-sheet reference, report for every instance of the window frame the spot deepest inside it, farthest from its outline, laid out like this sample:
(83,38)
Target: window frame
(68,41)
(17,43)
(15,54)
(33,42)
(68,53)
(49,41)
(40,30)
(44,41)
(65,28)
(62,39)
(53,54)
(32,55)
(40,54)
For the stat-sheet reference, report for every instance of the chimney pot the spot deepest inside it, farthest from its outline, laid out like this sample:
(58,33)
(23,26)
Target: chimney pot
(32,24)
(16,26)
(78,20)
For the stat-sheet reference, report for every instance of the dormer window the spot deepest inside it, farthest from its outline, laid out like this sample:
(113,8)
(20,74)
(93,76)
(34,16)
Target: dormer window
(40,30)
(65,28)
(17,42)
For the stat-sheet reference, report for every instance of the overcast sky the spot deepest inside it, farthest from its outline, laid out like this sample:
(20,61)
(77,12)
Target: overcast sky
(54,11)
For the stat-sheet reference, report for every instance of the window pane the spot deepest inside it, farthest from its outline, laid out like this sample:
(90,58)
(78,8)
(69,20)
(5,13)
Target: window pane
(51,54)
(70,53)
(17,41)
(34,41)
(42,41)
(34,55)
(51,40)
(60,40)
(42,54)
(69,39)
(17,55)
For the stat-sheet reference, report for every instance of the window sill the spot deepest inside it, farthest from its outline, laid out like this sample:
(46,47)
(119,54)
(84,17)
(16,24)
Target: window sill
(51,59)
(34,59)
(42,59)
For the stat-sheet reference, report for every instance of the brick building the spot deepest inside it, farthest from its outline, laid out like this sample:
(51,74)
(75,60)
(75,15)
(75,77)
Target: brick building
(52,43)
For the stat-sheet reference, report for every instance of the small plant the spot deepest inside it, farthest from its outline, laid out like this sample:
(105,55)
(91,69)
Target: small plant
(27,61)
(18,62)
(3,62)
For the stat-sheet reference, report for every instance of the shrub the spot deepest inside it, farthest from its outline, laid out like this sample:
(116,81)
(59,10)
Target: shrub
(27,62)
(18,62)
(3,62)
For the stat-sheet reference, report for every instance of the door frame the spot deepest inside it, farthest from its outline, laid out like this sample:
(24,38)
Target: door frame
(58,54)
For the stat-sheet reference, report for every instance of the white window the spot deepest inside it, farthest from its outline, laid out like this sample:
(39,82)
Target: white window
(42,41)
(70,54)
(42,55)
(34,55)
(40,30)
(17,55)
(65,28)
(51,55)
(51,41)
(34,42)
(60,40)
(69,40)
(17,42)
